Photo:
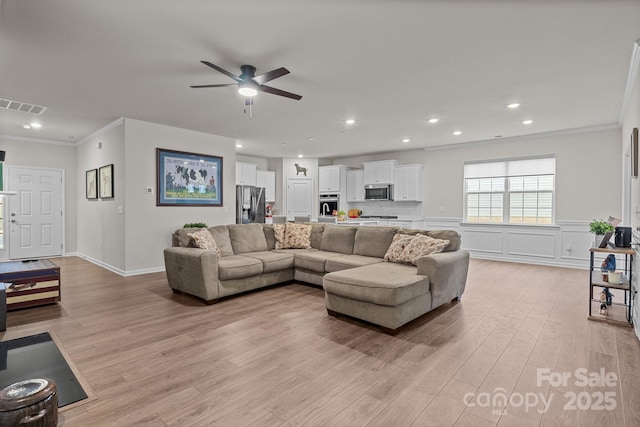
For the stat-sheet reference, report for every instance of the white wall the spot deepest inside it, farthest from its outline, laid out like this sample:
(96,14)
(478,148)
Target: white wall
(585,186)
(100,226)
(55,156)
(148,227)
(133,241)
(630,120)
(262,164)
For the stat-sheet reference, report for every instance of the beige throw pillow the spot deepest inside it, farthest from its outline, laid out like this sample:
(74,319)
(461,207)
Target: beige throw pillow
(421,245)
(297,236)
(278,233)
(292,236)
(204,240)
(394,253)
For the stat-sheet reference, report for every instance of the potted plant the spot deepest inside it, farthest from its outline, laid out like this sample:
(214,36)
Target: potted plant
(600,227)
(342,215)
(195,225)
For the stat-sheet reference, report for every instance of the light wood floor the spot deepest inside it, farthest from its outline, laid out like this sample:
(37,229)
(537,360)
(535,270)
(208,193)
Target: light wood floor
(274,357)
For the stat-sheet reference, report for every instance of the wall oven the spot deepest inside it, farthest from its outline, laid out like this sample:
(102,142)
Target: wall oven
(378,192)
(329,203)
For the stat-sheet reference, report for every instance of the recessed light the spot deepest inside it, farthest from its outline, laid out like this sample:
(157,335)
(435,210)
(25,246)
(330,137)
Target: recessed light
(36,125)
(434,120)
(238,145)
(26,126)
(283,143)
(457,132)
(406,140)
(527,122)
(513,105)
(299,156)
(350,121)
(311,139)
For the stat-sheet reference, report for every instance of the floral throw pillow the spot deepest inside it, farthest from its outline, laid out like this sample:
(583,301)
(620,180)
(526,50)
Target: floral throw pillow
(394,253)
(297,236)
(421,245)
(204,240)
(278,233)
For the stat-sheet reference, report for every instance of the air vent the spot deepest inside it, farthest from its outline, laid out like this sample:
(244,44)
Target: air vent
(8,104)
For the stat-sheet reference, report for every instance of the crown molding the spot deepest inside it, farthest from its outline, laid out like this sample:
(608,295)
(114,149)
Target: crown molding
(38,140)
(631,79)
(587,129)
(114,124)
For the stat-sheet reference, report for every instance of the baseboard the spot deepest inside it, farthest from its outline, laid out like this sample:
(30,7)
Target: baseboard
(117,270)
(537,261)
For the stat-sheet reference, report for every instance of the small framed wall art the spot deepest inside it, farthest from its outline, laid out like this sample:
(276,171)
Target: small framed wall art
(91,180)
(105,179)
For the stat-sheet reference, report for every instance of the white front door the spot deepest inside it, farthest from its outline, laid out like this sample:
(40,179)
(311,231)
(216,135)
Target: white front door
(299,197)
(35,212)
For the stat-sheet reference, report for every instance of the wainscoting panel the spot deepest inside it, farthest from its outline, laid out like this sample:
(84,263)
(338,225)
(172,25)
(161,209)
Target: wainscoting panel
(565,244)
(573,244)
(483,241)
(531,244)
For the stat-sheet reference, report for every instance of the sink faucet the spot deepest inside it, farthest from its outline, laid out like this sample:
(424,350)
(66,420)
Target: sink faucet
(325,206)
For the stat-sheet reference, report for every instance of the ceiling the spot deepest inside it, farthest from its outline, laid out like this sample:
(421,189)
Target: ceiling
(390,65)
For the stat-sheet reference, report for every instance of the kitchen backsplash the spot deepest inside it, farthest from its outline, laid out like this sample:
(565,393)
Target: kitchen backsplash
(399,209)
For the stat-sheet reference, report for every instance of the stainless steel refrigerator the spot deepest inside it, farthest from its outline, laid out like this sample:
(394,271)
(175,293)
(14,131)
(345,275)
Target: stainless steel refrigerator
(250,206)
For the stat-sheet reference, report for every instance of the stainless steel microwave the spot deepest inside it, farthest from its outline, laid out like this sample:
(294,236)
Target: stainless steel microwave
(378,192)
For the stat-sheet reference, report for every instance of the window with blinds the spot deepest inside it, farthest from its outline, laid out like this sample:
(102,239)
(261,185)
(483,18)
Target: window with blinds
(519,191)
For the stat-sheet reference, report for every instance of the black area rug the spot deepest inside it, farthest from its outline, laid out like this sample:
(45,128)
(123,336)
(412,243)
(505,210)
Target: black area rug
(37,356)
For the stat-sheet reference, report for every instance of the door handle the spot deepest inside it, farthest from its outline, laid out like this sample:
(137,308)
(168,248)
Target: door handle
(13,221)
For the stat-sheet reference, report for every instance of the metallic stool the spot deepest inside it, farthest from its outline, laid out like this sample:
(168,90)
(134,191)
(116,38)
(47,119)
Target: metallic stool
(32,403)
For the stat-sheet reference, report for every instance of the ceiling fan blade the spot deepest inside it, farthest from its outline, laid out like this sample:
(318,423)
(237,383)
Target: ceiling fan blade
(222,70)
(274,91)
(270,75)
(200,86)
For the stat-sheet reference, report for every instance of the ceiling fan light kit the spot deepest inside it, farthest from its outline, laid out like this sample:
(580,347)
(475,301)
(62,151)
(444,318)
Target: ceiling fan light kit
(246,90)
(249,84)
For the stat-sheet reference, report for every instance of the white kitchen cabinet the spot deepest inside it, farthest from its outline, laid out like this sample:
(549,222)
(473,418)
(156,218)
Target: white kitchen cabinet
(246,173)
(355,185)
(381,172)
(408,183)
(267,180)
(332,179)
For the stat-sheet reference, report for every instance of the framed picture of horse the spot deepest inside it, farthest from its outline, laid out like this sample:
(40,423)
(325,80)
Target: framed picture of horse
(91,180)
(188,179)
(105,182)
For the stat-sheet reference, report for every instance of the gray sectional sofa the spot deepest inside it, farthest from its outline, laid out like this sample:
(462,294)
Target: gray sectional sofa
(346,261)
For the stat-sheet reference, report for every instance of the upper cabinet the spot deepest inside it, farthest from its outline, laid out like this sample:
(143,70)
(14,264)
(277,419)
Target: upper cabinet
(355,185)
(382,172)
(408,183)
(267,179)
(332,179)
(245,173)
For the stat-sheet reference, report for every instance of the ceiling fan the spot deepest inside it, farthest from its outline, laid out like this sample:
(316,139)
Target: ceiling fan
(249,84)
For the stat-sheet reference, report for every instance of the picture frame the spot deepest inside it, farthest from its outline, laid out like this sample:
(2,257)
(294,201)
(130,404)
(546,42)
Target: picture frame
(634,153)
(105,182)
(91,183)
(188,179)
